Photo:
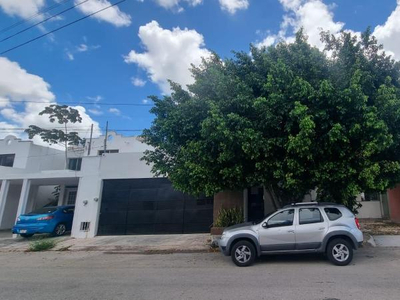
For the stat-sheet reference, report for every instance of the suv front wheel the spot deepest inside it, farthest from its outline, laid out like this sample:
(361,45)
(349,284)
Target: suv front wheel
(339,252)
(243,253)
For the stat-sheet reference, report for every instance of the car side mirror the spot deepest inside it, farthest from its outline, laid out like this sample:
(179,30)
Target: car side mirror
(265,225)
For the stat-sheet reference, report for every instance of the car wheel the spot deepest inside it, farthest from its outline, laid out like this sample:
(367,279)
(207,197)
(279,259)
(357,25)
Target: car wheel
(243,253)
(340,252)
(60,229)
(25,235)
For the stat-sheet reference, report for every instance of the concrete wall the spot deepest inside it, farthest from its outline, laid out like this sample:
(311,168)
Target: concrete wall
(226,200)
(370,210)
(118,142)
(31,157)
(394,204)
(11,207)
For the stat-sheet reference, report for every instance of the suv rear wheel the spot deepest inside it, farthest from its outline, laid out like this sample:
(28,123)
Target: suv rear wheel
(340,252)
(243,253)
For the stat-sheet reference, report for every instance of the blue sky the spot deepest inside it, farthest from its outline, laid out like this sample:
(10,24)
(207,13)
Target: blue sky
(127,53)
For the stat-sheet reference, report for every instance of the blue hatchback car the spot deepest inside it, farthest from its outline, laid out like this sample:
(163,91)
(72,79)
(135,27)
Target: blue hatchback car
(55,220)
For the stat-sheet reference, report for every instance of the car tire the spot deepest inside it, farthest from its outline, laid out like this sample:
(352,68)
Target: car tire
(339,252)
(25,235)
(243,253)
(60,229)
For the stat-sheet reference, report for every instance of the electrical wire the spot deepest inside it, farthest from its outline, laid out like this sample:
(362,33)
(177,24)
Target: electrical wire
(61,27)
(41,12)
(43,21)
(79,103)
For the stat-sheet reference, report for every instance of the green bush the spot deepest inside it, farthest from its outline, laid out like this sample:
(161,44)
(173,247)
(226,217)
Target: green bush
(229,217)
(42,245)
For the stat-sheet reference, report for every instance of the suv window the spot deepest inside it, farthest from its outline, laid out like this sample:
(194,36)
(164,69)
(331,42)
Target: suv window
(310,216)
(333,213)
(283,218)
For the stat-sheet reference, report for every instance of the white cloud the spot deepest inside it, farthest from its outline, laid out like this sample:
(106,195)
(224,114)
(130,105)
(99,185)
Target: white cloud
(231,6)
(311,15)
(16,84)
(145,101)
(168,54)
(70,53)
(70,56)
(115,111)
(175,4)
(112,15)
(95,112)
(389,33)
(23,9)
(138,82)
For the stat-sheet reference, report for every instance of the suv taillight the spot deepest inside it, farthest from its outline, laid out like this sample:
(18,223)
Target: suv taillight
(357,223)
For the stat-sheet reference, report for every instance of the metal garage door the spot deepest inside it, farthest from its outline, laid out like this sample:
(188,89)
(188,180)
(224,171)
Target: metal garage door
(151,206)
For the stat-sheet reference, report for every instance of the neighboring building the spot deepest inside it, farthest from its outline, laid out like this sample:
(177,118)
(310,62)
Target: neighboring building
(113,190)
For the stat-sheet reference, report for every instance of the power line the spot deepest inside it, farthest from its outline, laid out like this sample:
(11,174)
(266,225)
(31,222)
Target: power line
(61,27)
(41,22)
(41,12)
(79,103)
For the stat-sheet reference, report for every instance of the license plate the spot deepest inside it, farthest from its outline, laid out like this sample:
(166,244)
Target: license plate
(22,231)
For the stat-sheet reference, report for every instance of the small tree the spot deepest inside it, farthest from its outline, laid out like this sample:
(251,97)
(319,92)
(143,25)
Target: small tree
(288,117)
(62,114)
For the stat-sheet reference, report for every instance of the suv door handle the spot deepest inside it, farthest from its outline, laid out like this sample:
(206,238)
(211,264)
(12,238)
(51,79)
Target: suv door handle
(321,228)
(291,231)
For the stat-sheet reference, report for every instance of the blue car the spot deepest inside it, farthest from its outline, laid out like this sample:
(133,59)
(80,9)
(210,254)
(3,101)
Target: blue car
(55,220)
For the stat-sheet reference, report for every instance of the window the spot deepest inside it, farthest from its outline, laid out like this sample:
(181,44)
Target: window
(75,164)
(333,213)
(310,216)
(101,152)
(7,160)
(71,197)
(43,211)
(284,218)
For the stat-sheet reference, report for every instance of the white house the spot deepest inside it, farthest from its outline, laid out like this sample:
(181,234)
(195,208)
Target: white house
(115,192)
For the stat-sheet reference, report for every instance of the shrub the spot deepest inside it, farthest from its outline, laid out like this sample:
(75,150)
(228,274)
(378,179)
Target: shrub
(42,245)
(229,217)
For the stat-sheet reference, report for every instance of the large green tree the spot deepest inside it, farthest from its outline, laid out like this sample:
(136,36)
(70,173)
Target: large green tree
(63,115)
(289,117)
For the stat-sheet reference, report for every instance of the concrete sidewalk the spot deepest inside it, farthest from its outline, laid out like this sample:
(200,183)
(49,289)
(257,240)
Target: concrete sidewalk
(140,244)
(387,240)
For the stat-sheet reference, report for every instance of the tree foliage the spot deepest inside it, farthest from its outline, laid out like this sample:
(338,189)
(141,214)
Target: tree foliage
(62,114)
(289,117)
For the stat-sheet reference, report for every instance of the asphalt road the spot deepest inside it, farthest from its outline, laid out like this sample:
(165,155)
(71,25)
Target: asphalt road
(374,274)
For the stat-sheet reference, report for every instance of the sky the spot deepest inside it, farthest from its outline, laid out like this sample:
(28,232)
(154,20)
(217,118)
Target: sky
(106,65)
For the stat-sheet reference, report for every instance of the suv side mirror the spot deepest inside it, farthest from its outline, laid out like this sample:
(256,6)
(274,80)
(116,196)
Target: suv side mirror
(265,225)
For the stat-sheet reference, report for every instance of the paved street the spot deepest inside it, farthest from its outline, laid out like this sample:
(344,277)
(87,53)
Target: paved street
(373,275)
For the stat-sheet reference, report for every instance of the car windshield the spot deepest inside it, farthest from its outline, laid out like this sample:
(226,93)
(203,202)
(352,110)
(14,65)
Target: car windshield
(43,210)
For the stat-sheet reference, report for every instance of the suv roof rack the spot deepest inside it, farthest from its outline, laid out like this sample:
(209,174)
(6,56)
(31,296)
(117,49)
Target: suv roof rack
(311,204)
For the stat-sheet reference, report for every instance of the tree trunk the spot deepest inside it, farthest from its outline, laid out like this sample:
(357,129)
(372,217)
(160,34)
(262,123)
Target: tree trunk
(275,199)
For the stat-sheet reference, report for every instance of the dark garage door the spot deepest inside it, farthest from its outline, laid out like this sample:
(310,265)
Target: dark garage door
(151,206)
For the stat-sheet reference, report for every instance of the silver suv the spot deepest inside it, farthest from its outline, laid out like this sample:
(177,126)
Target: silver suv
(298,228)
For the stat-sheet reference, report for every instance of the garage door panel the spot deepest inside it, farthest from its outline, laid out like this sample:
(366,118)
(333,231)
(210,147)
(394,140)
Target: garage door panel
(151,206)
(141,217)
(113,218)
(169,217)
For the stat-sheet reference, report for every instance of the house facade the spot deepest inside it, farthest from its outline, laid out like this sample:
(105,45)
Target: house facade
(115,192)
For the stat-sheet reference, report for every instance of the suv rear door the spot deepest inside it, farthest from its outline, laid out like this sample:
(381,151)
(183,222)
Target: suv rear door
(311,228)
(279,233)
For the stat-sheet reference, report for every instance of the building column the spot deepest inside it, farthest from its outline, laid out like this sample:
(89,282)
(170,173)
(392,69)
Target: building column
(23,198)
(5,185)
(61,196)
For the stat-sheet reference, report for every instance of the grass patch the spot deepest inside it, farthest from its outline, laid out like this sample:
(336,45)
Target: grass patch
(42,245)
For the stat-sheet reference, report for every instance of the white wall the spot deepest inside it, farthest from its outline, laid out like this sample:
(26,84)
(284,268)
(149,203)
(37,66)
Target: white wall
(31,157)
(11,207)
(116,142)
(370,209)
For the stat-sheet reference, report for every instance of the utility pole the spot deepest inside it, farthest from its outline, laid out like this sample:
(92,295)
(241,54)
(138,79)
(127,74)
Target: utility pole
(90,140)
(105,138)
